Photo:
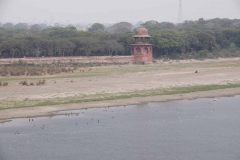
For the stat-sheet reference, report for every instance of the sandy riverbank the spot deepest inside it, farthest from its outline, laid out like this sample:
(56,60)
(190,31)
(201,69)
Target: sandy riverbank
(119,79)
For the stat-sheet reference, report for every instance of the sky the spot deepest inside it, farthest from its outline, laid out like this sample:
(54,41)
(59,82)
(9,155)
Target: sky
(113,11)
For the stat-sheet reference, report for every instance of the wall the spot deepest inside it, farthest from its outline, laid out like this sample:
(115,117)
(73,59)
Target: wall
(83,59)
(143,58)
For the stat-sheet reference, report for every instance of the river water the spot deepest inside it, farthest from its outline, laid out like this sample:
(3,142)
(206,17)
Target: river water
(206,129)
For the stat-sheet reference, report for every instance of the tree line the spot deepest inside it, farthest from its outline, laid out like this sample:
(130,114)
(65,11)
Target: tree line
(200,38)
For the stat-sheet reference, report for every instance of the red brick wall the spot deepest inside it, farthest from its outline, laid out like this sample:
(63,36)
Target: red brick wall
(143,58)
(83,59)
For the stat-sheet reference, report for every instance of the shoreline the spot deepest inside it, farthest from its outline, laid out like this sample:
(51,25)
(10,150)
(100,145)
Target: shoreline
(9,114)
(119,85)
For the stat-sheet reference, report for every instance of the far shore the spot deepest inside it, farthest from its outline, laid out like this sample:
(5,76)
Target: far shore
(118,85)
(7,115)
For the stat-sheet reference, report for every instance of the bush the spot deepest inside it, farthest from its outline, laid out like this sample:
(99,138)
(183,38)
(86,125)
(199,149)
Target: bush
(0,83)
(21,62)
(203,53)
(138,63)
(24,83)
(5,83)
(177,56)
(41,82)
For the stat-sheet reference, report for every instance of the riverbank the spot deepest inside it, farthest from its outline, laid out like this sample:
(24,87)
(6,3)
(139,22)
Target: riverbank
(105,86)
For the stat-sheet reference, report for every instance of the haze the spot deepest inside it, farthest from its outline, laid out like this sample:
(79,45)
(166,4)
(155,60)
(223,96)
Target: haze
(112,11)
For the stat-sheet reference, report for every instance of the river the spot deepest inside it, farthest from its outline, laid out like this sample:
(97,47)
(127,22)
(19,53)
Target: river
(206,129)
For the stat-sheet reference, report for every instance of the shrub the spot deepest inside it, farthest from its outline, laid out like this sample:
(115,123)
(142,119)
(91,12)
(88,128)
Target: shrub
(138,63)
(41,82)
(5,83)
(4,74)
(174,56)
(0,83)
(21,62)
(24,83)
(31,84)
(203,53)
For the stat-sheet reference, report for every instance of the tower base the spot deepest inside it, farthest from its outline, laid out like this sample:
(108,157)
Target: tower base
(143,58)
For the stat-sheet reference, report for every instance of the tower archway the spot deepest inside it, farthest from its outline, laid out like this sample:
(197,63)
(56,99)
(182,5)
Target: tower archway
(145,50)
(138,50)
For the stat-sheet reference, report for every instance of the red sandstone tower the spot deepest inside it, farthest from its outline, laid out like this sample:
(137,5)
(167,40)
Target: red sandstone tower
(142,50)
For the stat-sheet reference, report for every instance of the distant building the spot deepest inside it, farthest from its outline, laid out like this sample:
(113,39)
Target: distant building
(142,50)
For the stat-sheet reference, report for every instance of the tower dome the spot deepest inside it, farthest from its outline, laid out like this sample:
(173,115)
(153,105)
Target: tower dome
(141,32)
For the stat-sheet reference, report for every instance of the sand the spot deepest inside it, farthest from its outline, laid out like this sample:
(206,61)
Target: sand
(113,79)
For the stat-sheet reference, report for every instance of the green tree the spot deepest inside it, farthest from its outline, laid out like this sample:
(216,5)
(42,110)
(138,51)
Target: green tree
(112,46)
(8,25)
(206,40)
(58,32)
(64,46)
(125,39)
(221,40)
(21,26)
(154,26)
(168,40)
(87,45)
(36,28)
(96,27)
(119,28)
(190,41)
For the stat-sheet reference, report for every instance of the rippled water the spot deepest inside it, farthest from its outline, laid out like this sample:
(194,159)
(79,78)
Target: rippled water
(184,130)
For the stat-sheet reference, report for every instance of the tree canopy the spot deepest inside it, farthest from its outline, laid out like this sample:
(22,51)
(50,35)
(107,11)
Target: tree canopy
(201,36)
(96,27)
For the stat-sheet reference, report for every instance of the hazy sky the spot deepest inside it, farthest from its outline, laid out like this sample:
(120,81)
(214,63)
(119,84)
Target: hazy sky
(112,11)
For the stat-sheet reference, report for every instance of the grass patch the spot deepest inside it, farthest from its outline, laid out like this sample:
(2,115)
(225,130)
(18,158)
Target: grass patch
(13,103)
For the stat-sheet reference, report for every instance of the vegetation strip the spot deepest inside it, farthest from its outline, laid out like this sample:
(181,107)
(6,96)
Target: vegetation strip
(13,103)
(192,39)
